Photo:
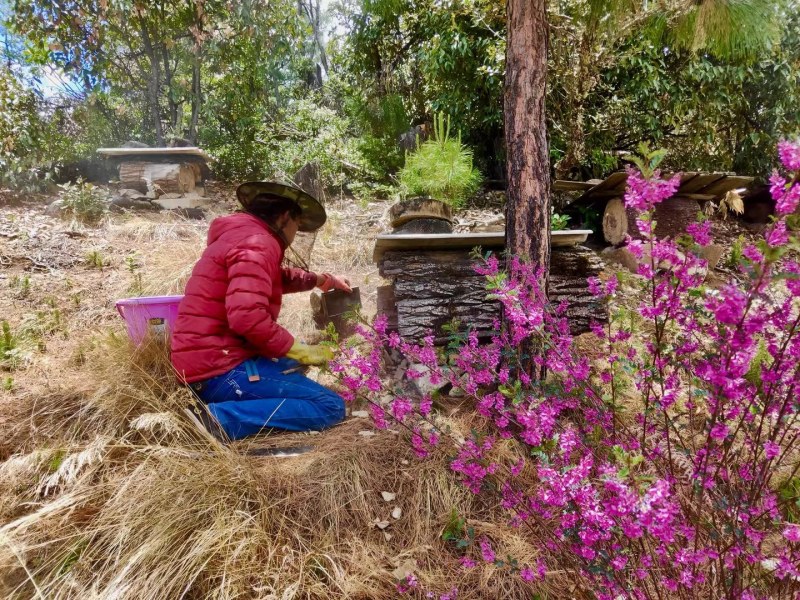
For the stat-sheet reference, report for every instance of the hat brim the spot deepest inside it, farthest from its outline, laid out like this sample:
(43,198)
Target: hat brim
(312,215)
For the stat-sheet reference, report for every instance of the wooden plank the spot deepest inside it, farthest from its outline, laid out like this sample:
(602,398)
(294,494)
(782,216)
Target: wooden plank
(723,186)
(463,241)
(565,185)
(698,183)
(150,152)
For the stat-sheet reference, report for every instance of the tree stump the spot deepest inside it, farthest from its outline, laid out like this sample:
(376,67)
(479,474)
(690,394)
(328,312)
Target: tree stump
(404,211)
(425,226)
(672,216)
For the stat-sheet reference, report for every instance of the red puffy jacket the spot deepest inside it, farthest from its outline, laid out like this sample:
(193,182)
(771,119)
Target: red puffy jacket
(233,298)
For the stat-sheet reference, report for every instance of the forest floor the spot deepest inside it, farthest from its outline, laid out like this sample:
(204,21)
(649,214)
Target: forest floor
(87,426)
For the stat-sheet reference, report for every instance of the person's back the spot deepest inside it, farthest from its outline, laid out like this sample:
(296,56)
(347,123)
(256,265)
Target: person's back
(203,342)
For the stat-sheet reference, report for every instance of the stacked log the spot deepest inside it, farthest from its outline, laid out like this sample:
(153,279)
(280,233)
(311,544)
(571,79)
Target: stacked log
(672,216)
(161,178)
(431,289)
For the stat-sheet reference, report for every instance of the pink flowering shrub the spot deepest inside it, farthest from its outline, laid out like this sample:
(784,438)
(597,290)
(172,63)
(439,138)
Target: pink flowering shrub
(660,468)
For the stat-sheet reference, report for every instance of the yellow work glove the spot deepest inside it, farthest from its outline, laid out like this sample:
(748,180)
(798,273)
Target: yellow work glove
(310,355)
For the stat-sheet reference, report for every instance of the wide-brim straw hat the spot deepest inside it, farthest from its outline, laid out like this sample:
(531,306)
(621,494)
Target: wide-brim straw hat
(312,215)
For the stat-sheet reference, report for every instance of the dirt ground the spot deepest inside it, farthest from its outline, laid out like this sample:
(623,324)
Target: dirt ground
(60,279)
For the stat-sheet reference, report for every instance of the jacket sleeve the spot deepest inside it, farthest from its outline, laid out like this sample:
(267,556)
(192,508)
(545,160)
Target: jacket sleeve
(250,277)
(298,280)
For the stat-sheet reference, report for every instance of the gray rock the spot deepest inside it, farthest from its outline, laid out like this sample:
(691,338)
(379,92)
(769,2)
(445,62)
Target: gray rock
(423,384)
(197,214)
(129,194)
(138,201)
(134,144)
(55,208)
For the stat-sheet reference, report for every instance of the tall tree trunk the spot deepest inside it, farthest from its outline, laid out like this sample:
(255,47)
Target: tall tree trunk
(197,98)
(154,84)
(173,106)
(528,163)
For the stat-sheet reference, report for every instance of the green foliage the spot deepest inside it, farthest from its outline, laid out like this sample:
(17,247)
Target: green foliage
(21,284)
(94,260)
(8,344)
(456,530)
(83,201)
(25,163)
(134,268)
(441,168)
(559,222)
(647,160)
(279,144)
(735,255)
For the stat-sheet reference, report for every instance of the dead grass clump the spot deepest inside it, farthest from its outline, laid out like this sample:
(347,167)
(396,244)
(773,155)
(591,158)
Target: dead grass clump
(113,492)
(157,228)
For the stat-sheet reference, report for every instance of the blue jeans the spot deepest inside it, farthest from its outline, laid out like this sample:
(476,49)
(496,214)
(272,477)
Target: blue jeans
(276,401)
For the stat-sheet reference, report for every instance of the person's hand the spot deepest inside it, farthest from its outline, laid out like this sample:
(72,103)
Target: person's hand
(327,282)
(310,354)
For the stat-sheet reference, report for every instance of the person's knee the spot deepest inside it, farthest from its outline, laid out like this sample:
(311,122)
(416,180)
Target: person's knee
(334,408)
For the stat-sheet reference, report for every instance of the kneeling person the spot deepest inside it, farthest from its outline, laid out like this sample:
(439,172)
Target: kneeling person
(227,343)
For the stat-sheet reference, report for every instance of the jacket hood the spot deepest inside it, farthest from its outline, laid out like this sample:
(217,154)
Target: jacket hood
(247,224)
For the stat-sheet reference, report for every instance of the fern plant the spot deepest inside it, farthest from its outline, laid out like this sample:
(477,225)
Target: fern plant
(441,168)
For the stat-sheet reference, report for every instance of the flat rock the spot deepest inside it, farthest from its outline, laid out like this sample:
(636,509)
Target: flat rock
(173,201)
(123,203)
(424,384)
(54,209)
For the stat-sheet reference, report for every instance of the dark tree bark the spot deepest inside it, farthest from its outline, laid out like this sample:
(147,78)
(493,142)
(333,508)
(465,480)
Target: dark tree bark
(528,163)
(197,98)
(172,105)
(154,83)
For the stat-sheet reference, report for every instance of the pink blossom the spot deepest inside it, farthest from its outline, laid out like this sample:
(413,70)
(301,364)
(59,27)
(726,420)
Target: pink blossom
(790,154)
(701,232)
(777,235)
(643,500)
(619,562)
(486,550)
(771,449)
(642,194)
(792,533)
(719,432)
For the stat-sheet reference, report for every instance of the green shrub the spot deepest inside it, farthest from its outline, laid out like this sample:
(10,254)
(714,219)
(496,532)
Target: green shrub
(277,144)
(83,201)
(10,353)
(441,168)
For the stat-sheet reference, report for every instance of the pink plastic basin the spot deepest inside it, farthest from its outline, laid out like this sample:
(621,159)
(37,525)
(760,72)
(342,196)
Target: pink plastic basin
(153,315)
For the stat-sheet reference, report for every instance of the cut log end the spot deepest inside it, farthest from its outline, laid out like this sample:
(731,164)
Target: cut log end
(672,216)
(404,211)
(615,222)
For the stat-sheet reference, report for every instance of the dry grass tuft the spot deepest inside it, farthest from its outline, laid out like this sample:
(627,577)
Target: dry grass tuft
(113,492)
